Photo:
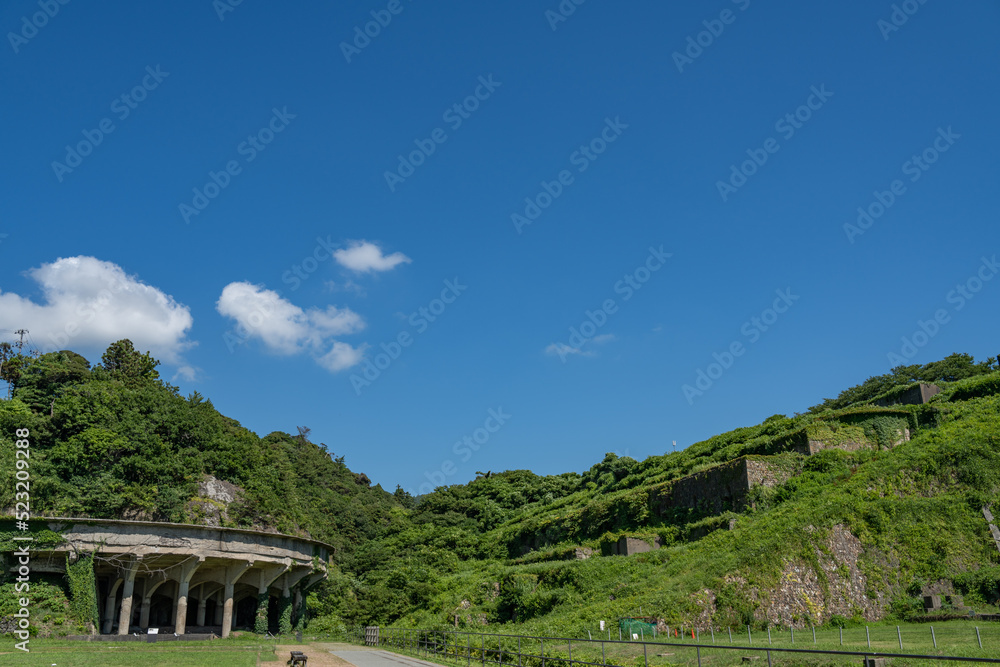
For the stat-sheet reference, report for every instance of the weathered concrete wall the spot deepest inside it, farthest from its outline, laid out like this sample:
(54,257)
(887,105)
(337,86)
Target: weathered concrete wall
(147,537)
(918,394)
(633,545)
(723,487)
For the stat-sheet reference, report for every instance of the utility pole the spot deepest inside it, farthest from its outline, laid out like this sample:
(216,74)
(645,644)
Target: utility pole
(20,343)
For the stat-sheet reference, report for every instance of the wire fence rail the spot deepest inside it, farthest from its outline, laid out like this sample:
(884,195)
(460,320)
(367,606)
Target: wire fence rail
(469,648)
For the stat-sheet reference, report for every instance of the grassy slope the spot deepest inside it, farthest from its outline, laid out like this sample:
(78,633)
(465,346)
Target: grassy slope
(915,508)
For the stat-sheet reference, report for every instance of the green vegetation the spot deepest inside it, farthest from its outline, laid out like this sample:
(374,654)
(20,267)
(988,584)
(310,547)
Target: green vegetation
(115,441)
(232,652)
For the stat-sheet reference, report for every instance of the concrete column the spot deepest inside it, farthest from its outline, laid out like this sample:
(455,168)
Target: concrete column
(180,616)
(218,609)
(233,574)
(227,611)
(184,583)
(147,599)
(297,607)
(109,608)
(173,605)
(125,617)
(144,614)
(202,604)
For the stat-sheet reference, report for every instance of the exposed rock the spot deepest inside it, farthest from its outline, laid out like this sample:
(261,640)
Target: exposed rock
(801,599)
(218,490)
(583,553)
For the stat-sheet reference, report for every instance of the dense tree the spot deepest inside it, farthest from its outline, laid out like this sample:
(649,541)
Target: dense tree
(953,367)
(123,362)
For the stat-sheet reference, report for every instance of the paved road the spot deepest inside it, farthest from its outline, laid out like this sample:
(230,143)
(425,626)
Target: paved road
(381,659)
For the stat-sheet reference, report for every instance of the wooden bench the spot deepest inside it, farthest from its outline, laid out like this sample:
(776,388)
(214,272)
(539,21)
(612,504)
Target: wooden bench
(298,658)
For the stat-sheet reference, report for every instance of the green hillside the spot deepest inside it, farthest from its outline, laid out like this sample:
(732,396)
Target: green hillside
(845,519)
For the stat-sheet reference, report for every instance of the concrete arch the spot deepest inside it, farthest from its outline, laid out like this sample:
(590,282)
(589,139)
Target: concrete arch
(203,571)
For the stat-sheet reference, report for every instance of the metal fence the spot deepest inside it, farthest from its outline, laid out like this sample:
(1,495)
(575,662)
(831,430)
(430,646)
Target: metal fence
(468,648)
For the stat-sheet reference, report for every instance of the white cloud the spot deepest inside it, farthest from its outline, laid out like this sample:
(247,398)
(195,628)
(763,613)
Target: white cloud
(186,373)
(348,286)
(285,328)
(89,304)
(341,356)
(562,350)
(365,256)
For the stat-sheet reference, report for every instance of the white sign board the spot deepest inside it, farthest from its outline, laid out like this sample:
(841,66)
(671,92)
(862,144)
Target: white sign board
(153,631)
(602,625)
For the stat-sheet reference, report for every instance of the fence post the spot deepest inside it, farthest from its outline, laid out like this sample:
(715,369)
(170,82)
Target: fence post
(933,638)
(900,636)
(768,659)
(814,635)
(645,658)
(712,628)
(768,634)
(604,660)
(978,638)
(869,638)
(730,634)
(542,641)
(519,651)
(698,649)
(749,636)
(842,637)
(569,645)
(791,629)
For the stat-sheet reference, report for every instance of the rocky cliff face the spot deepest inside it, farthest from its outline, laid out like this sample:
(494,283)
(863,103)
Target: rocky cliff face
(809,593)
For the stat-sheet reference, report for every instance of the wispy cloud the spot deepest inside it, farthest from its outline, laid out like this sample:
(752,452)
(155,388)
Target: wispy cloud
(365,256)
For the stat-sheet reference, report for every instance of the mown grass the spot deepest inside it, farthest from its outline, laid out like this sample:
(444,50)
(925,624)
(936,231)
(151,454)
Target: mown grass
(218,653)
(954,638)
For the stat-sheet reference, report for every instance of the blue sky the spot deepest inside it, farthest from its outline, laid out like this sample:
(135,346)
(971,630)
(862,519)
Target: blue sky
(266,198)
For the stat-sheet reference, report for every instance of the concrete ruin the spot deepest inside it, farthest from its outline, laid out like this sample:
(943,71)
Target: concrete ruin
(186,578)
(916,394)
(626,546)
(722,487)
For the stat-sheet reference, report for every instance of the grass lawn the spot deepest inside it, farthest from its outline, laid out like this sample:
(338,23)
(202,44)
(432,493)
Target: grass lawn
(218,653)
(954,638)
